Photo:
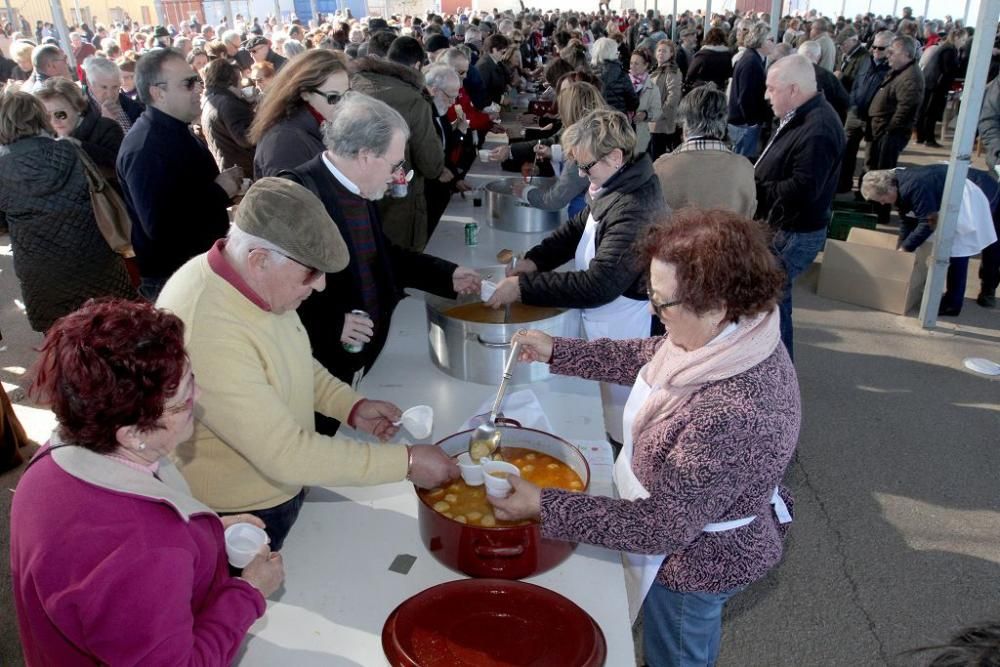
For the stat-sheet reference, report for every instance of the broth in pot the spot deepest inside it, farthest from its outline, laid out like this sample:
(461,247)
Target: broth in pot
(519,313)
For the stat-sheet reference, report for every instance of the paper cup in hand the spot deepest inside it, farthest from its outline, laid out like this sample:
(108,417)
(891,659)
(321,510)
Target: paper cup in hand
(495,475)
(418,420)
(486,290)
(243,542)
(484,154)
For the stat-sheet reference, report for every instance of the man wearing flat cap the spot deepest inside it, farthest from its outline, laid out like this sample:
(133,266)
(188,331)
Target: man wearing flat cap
(260,50)
(255,447)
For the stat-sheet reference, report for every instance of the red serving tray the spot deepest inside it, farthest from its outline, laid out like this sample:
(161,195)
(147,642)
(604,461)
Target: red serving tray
(491,623)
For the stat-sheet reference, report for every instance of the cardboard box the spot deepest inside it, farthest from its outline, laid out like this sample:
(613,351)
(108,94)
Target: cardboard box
(973,284)
(867,270)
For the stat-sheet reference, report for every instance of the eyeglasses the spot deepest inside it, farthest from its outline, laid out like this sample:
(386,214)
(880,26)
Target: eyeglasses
(186,406)
(312,275)
(331,98)
(60,115)
(585,168)
(879,48)
(189,83)
(659,308)
(399,166)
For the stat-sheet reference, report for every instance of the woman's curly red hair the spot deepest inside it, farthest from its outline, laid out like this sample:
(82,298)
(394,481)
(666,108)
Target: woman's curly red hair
(112,363)
(722,260)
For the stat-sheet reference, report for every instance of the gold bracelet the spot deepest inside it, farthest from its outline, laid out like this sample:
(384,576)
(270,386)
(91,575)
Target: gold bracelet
(409,461)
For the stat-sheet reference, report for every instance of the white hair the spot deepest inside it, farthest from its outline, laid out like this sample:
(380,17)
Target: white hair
(603,49)
(229,36)
(292,48)
(812,51)
(96,66)
(796,70)
(240,243)
(878,183)
(440,75)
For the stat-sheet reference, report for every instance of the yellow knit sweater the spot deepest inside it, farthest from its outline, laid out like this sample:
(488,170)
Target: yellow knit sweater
(254,444)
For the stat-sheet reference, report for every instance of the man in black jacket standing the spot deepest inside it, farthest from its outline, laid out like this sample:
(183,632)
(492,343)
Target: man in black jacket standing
(797,173)
(868,78)
(365,143)
(174,192)
(491,69)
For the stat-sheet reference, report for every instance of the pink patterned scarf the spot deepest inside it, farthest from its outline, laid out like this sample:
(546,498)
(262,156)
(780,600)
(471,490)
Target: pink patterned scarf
(676,374)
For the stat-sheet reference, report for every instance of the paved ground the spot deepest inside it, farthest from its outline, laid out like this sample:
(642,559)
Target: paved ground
(896,540)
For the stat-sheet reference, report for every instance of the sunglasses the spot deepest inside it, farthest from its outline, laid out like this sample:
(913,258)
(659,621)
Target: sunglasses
(189,83)
(659,308)
(312,275)
(879,48)
(331,98)
(585,168)
(60,115)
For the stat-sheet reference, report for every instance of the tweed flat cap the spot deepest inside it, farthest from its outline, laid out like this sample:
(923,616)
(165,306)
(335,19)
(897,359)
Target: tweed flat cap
(294,219)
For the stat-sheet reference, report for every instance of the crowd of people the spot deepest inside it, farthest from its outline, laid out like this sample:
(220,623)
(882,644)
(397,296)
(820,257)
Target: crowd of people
(280,183)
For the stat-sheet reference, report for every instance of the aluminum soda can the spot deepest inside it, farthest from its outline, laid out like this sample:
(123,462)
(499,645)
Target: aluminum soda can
(354,348)
(471,233)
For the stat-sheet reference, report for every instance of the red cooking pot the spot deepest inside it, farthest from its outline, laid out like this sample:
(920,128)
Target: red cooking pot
(502,552)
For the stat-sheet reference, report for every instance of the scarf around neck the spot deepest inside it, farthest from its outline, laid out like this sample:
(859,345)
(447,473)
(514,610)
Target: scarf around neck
(676,374)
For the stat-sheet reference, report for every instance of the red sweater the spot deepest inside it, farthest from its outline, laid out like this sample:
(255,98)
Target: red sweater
(109,576)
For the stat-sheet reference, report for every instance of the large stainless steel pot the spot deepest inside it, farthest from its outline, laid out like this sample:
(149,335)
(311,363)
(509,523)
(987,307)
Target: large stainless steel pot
(504,552)
(510,214)
(477,351)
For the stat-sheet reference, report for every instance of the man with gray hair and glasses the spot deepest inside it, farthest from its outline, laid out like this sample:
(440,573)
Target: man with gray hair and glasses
(867,79)
(104,92)
(703,171)
(365,143)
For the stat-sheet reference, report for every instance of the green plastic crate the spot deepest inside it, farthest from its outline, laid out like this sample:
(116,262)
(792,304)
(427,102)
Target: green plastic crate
(842,221)
(852,205)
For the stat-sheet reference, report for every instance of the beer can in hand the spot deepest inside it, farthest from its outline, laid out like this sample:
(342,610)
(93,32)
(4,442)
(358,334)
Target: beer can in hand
(354,348)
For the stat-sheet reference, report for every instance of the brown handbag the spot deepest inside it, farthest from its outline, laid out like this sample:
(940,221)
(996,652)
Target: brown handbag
(109,209)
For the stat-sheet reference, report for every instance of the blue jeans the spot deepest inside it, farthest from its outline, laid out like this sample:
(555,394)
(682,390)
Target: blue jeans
(796,251)
(682,629)
(278,520)
(744,139)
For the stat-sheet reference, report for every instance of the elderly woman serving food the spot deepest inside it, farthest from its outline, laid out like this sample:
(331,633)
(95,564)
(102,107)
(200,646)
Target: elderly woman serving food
(711,423)
(607,284)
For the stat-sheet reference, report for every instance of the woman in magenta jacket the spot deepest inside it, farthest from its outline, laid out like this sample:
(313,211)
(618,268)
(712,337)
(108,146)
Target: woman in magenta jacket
(113,561)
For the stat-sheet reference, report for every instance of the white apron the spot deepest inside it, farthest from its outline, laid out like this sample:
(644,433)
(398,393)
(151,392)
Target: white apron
(620,319)
(641,569)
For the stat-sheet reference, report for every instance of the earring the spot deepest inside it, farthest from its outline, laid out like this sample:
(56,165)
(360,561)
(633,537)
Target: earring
(142,446)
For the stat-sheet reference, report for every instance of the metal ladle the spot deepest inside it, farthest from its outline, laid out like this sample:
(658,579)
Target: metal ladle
(485,440)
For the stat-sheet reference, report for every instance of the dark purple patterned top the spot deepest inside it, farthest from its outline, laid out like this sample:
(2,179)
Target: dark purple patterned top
(717,458)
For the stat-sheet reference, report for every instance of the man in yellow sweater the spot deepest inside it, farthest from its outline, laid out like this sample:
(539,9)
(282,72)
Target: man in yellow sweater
(254,447)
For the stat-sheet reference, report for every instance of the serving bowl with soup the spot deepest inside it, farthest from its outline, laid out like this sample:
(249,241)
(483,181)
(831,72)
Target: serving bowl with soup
(457,524)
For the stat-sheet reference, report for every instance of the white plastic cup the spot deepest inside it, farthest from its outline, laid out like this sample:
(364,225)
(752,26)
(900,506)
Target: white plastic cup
(419,421)
(484,154)
(472,473)
(243,543)
(498,487)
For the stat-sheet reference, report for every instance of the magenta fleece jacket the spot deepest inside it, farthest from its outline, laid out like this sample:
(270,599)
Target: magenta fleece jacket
(113,566)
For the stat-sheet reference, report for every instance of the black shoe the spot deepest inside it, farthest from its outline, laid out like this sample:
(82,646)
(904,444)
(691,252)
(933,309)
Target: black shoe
(930,143)
(987,300)
(949,311)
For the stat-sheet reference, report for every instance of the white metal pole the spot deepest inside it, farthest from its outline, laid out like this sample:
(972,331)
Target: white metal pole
(958,169)
(843,8)
(895,4)
(708,16)
(674,30)
(59,21)
(775,18)
(927,8)
(965,14)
